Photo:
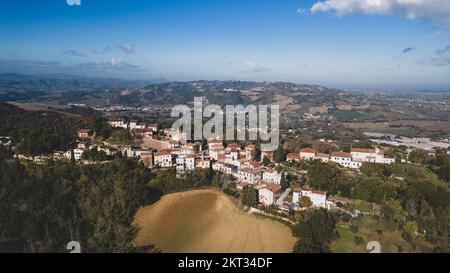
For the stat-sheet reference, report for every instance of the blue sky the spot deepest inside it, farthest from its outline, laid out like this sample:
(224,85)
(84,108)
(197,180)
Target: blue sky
(339,43)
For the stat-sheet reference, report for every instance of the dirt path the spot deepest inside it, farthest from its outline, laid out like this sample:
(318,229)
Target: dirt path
(208,221)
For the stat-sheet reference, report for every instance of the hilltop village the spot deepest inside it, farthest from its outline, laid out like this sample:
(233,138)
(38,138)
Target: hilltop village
(246,165)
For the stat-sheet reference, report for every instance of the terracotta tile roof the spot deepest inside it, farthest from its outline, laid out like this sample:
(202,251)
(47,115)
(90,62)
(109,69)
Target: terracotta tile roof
(248,170)
(363,150)
(269,170)
(341,154)
(273,187)
(164,152)
(308,150)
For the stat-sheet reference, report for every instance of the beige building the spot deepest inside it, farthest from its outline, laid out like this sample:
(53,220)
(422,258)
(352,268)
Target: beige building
(307,153)
(163,158)
(268,194)
(250,176)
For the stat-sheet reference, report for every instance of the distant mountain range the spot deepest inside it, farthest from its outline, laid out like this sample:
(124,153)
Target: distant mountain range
(63,88)
(15,87)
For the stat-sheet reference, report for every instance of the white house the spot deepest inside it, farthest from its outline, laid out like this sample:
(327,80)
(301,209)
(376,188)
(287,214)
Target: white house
(215,152)
(118,123)
(189,162)
(249,175)
(322,157)
(269,193)
(363,155)
(126,150)
(318,198)
(203,163)
(218,166)
(163,158)
(230,169)
(77,154)
(345,160)
(180,164)
(133,124)
(186,149)
(292,157)
(271,176)
(307,153)
(370,155)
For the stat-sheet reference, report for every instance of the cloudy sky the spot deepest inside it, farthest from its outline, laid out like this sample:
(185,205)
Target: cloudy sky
(389,44)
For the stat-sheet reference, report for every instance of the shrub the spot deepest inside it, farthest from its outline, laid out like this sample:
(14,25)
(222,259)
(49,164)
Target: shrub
(359,240)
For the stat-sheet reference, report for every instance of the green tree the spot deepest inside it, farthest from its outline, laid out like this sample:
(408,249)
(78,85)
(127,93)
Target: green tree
(305,202)
(315,231)
(321,176)
(410,230)
(418,156)
(250,196)
(279,155)
(444,173)
(393,211)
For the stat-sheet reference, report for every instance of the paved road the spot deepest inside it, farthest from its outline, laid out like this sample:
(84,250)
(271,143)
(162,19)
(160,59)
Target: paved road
(280,200)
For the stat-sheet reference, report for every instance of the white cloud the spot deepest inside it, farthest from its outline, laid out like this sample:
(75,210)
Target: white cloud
(73,2)
(114,66)
(435,11)
(302,11)
(127,48)
(256,68)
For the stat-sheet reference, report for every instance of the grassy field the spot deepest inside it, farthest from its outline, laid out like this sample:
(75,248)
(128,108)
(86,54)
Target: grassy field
(390,239)
(347,115)
(383,127)
(208,221)
(409,126)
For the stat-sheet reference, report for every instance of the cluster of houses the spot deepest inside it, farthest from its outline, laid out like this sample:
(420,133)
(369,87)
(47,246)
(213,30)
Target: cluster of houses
(352,160)
(232,159)
(137,128)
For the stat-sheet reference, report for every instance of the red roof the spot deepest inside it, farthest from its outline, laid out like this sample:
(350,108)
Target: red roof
(308,150)
(341,154)
(164,152)
(363,150)
(273,187)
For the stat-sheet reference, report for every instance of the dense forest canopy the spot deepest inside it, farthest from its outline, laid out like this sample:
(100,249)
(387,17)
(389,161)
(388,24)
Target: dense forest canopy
(43,207)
